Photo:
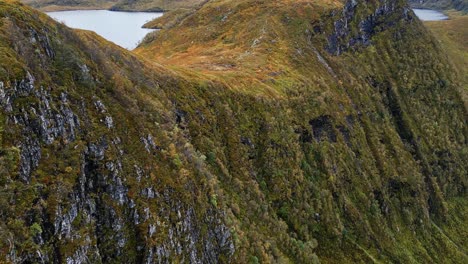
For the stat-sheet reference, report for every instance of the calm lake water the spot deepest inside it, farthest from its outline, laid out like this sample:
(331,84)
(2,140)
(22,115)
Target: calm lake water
(122,28)
(429,15)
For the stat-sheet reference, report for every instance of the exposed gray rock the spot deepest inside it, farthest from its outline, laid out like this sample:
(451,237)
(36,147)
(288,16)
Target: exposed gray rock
(184,234)
(44,42)
(100,106)
(109,122)
(140,173)
(25,87)
(87,253)
(85,73)
(5,102)
(99,201)
(30,155)
(97,151)
(344,37)
(63,221)
(149,193)
(149,144)
(152,230)
(40,120)
(55,124)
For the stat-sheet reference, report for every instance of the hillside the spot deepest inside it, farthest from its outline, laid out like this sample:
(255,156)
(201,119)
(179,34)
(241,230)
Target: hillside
(246,132)
(453,36)
(93,164)
(442,5)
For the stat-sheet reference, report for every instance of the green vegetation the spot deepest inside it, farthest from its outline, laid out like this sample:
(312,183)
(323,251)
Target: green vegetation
(244,132)
(453,37)
(169,19)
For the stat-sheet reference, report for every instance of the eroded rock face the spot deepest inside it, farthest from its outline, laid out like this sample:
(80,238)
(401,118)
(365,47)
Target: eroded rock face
(39,122)
(95,215)
(184,235)
(352,30)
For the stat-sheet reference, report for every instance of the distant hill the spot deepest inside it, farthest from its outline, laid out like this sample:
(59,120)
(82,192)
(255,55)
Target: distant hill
(123,5)
(154,5)
(460,5)
(53,5)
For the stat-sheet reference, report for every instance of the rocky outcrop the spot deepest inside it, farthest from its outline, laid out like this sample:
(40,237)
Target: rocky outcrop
(353,29)
(41,124)
(110,224)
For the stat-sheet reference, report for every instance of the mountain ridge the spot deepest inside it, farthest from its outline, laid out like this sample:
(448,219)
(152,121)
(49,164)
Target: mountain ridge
(350,146)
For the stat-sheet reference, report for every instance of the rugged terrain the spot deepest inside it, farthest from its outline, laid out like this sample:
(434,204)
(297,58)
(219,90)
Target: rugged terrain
(245,132)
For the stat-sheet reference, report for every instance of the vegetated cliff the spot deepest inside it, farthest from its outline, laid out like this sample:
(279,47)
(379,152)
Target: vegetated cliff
(335,120)
(275,131)
(460,5)
(94,167)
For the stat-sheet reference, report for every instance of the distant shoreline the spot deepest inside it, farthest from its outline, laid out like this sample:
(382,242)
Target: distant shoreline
(56,8)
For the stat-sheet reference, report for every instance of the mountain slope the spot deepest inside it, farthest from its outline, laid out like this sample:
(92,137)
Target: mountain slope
(327,70)
(453,36)
(273,131)
(93,166)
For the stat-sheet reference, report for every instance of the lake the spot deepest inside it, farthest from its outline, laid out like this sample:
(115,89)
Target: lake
(122,28)
(429,15)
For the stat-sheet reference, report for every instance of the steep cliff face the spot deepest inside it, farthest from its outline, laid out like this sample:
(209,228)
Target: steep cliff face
(354,28)
(90,174)
(310,132)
